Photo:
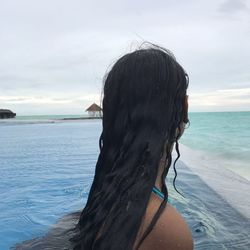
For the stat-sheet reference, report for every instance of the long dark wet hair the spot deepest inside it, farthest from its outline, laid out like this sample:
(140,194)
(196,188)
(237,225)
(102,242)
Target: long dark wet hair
(142,107)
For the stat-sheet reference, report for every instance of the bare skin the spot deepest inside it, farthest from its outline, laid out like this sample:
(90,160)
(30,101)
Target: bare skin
(170,232)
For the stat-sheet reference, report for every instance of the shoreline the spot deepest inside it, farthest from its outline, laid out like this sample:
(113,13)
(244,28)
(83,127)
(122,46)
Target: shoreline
(78,118)
(49,118)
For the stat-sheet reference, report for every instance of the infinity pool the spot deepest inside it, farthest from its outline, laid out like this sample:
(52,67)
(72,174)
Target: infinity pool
(46,170)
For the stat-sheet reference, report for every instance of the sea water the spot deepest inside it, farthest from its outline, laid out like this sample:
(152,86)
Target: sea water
(47,167)
(223,135)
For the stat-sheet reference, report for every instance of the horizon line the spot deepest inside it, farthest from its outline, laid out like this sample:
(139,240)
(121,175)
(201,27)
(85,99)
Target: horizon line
(190,112)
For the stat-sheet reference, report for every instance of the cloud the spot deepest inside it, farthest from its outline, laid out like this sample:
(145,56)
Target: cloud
(61,49)
(5,100)
(225,99)
(49,104)
(32,100)
(233,6)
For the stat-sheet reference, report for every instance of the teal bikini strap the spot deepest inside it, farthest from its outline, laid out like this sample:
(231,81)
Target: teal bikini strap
(159,193)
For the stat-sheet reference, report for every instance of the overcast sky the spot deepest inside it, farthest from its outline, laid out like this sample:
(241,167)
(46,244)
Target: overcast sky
(54,53)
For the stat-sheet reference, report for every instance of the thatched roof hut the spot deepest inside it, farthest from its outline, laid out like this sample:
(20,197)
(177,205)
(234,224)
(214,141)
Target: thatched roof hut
(6,113)
(94,107)
(94,110)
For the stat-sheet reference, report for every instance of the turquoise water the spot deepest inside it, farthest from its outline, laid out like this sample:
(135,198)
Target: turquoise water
(224,135)
(47,166)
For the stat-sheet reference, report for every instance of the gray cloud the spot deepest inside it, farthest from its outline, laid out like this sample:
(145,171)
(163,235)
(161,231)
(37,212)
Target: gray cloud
(61,49)
(233,6)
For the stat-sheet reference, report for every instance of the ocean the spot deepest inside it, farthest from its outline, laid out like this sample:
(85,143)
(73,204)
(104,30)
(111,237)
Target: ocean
(47,167)
(225,136)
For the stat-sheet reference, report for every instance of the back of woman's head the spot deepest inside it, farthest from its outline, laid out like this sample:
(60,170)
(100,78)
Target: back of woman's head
(142,106)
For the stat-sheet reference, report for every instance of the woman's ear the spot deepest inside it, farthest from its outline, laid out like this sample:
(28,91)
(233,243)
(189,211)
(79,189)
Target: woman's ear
(180,129)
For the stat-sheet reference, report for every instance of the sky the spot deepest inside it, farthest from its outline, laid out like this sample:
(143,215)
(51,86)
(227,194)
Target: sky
(54,53)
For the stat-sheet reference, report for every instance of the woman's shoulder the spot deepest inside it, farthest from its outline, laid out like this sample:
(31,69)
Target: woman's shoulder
(170,231)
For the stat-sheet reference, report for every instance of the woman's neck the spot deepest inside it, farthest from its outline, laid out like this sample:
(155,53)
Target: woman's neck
(161,167)
(158,182)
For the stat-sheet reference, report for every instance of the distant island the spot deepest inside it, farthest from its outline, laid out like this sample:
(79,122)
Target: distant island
(6,113)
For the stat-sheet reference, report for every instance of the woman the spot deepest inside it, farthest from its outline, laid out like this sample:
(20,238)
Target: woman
(144,112)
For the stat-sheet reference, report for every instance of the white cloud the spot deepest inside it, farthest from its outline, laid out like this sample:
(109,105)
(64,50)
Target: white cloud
(219,100)
(61,49)
(45,100)
(233,6)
